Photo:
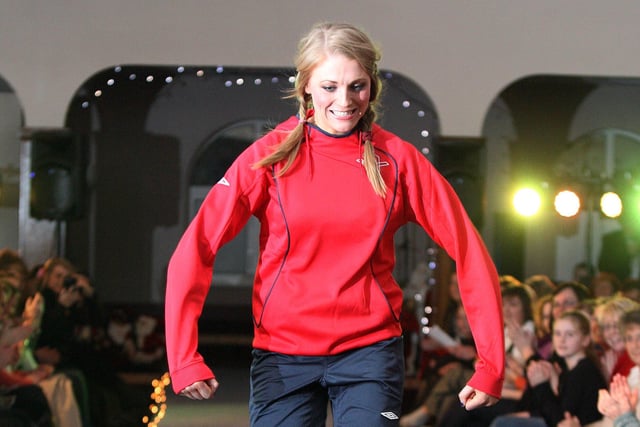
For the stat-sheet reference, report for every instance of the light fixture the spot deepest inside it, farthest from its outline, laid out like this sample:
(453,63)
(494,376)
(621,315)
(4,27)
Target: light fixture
(567,203)
(527,201)
(611,204)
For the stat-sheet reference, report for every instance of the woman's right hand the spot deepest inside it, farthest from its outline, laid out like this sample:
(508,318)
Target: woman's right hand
(201,390)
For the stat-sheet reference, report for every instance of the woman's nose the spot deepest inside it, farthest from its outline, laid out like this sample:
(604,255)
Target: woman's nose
(343,97)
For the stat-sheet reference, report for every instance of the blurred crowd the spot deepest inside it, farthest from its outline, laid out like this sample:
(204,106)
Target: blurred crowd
(572,356)
(61,351)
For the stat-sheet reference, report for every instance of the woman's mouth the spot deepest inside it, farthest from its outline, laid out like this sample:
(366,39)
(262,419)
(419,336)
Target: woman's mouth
(343,114)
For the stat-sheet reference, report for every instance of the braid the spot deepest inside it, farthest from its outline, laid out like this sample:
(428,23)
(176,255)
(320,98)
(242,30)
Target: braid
(370,160)
(288,148)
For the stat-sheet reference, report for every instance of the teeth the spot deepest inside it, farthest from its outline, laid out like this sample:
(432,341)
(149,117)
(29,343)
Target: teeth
(342,113)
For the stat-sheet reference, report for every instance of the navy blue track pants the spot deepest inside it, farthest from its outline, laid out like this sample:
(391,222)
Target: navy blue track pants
(363,386)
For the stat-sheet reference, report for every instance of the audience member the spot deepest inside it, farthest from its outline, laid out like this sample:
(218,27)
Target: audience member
(26,403)
(619,403)
(542,318)
(451,373)
(605,284)
(68,342)
(519,332)
(556,393)
(21,371)
(610,401)
(137,345)
(568,296)
(615,359)
(631,289)
(541,284)
(583,272)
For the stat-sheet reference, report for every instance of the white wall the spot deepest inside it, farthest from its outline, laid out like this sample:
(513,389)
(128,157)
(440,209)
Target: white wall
(461,52)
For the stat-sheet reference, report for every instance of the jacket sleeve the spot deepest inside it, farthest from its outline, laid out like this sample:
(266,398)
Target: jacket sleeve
(223,213)
(627,419)
(434,205)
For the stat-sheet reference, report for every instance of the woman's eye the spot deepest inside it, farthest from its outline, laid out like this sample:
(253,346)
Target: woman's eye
(329,88)
(358,87)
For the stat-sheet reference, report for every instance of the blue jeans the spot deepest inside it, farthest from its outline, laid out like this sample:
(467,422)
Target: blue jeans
(364,387)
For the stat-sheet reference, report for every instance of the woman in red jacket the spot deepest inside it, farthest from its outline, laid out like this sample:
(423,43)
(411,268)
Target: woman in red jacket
(330,189)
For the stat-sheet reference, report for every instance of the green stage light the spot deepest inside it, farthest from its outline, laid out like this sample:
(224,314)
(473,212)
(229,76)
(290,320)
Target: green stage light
(611,204)
(527,202)
(567,203)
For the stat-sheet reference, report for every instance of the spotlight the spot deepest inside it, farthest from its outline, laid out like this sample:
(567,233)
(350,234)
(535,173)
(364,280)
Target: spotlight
(611,204)
(567,203)
(527,202)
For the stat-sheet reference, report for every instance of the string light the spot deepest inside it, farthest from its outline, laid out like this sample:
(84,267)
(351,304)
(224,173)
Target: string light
(158,408)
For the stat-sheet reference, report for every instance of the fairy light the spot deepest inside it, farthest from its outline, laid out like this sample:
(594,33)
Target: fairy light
(158,408)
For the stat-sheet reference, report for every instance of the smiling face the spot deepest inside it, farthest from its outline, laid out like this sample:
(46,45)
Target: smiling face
(340,90)
(610,330)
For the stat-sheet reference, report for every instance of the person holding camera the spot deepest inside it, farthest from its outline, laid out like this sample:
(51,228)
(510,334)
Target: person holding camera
(71,338)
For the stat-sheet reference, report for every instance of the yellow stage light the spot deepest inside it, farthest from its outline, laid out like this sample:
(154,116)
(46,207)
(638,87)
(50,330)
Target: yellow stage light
(527,202)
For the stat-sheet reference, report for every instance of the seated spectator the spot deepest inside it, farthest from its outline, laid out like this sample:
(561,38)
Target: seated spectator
(583,272)
(542,319)
(432,350)
(68,341)
(452,374)
(619,403)
(614,359)
(610,401)
(605,284)
(631,289)
(541,284)
(557,393)
(21,371)
(138,345)
(25,403)
(519,336)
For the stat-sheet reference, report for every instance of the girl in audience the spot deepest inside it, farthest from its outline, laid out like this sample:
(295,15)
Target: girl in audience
(555,393)
(614,359)
(519,334)
(619,404)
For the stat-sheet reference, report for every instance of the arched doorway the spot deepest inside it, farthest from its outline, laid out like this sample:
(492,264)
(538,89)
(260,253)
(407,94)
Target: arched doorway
(158,135)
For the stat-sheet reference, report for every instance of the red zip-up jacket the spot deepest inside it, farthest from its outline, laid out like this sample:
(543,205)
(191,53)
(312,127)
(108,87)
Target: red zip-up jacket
(323,282)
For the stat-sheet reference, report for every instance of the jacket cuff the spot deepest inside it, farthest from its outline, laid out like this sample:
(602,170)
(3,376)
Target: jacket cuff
(188,375)
(486,383)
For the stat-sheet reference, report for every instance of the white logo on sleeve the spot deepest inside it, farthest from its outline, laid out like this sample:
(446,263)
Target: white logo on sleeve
(223,181)
(389,415)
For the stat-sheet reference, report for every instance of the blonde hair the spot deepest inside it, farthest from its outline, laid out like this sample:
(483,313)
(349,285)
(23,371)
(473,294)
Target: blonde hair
(615,307)
(327,39)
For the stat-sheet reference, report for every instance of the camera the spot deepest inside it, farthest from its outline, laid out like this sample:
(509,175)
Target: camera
(69,282)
